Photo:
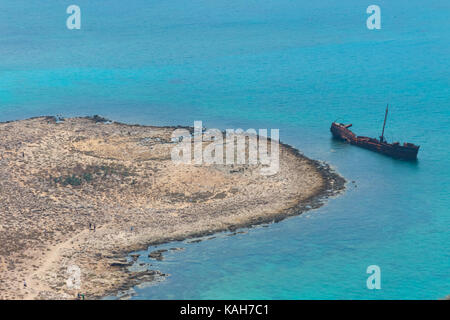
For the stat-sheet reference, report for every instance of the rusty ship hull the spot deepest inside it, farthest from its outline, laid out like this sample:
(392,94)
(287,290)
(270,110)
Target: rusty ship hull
(407,151)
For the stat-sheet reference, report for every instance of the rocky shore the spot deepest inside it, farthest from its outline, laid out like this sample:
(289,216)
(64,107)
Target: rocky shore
(78,195)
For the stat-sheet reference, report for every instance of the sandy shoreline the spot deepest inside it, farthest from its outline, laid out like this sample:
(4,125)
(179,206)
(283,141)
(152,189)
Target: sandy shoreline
(59,176)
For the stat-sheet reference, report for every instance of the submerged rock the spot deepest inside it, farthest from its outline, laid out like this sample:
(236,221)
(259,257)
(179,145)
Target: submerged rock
(157,254)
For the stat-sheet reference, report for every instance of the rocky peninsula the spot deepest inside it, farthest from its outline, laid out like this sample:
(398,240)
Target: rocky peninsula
(79,194)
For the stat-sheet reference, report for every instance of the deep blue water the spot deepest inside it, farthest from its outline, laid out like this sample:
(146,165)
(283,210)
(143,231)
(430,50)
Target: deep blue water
(292,65)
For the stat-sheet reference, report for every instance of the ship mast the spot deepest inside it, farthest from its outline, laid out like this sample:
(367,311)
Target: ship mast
(384,124)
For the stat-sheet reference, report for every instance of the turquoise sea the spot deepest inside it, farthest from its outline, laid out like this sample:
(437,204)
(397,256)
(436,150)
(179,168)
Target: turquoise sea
(295,65)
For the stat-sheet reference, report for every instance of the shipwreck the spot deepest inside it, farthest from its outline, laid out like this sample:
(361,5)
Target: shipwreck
(405,151)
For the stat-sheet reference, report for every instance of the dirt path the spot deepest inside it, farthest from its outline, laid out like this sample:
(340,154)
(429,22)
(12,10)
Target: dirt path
(34,281)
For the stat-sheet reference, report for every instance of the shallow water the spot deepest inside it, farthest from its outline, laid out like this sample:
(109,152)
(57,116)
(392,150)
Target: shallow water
(292,65)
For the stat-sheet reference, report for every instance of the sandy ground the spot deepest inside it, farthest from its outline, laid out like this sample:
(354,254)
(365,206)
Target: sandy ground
(57,177)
